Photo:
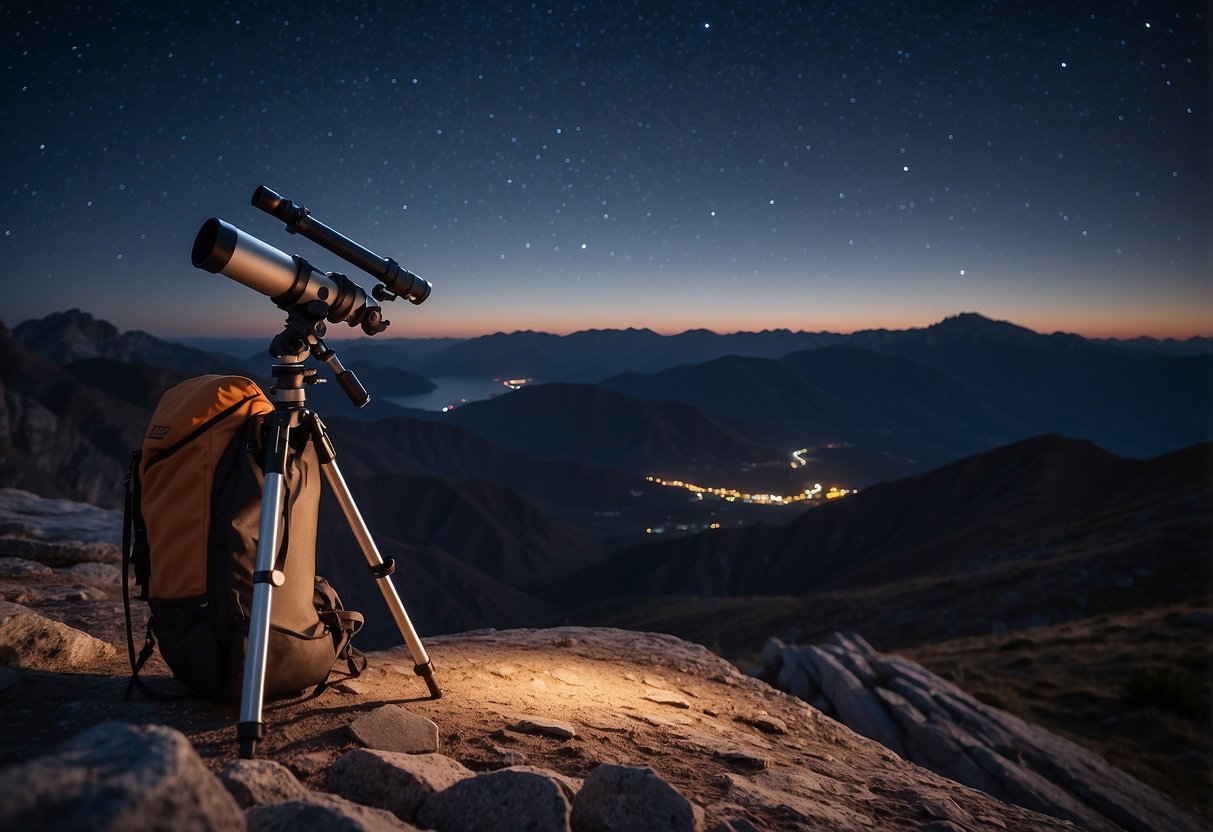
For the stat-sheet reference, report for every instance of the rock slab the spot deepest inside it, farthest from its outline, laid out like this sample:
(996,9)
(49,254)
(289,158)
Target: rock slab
(933,723)
(392,728)
(27,640)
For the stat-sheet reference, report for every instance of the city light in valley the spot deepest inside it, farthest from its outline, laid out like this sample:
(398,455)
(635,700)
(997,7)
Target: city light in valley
(733,495)
(799,460)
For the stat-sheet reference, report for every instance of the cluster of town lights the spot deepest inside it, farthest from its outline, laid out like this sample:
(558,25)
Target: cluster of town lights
(733,495)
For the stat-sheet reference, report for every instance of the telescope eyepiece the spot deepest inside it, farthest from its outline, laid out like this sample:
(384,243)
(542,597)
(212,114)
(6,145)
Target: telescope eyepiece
(400,282)
(278,206)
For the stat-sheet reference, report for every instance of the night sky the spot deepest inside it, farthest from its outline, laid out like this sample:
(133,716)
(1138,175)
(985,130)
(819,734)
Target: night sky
(816,166)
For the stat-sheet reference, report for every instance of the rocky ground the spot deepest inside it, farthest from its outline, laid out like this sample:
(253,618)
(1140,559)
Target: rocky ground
(566,701)
(560,727)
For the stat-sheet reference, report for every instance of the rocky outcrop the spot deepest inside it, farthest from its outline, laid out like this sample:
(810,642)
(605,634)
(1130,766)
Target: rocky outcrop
(27,640)
(719,752)
(27,516)
(45,451)
(930,721)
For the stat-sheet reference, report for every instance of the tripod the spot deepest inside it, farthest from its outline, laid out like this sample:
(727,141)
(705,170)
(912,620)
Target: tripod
(290,348)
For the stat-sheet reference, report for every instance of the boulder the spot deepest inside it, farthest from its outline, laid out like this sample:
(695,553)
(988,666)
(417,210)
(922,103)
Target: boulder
(631,799)
(118,777)
(504,799)
(323,813)
(29,641)
(261,782)
(394,781)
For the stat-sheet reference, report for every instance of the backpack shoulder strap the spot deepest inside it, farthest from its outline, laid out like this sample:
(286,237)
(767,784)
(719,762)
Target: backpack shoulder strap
(134,552)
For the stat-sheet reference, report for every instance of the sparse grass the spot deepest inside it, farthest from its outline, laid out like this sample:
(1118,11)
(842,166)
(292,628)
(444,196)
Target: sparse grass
(1016,644)
(1135,687)
(1172,690)
(1005,698)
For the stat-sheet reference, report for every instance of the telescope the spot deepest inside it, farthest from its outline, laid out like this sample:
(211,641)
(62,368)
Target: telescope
(309,297)
(291,281)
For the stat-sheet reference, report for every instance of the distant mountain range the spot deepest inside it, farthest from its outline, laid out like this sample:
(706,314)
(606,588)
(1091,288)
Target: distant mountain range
(960,386)
(919,397)
(520,508)
(591,356)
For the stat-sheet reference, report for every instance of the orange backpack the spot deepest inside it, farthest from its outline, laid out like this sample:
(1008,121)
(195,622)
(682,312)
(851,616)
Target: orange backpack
(192,520)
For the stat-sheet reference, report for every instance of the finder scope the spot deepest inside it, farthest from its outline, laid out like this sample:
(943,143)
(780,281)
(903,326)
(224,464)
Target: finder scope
(290,281)
(398,281)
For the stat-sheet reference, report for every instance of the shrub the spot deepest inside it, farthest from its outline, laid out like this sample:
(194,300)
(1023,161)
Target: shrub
(1172,690)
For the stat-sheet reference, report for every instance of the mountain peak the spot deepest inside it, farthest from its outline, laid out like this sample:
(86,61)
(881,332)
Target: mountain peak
(66,336)
(74,335)
(974,325)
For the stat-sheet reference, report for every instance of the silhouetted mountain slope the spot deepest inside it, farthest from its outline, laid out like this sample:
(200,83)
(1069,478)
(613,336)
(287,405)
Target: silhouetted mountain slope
(64,337)
(994,505)
(139,384)
(419,446)
(440,593)
(1153,552)
(960,386)
(1131,402)
(1165,346)
(759,391)
(588,424)
(465,552)
(483,524)
(592,355)
(835,394)
(517,354)
(902,398)
(59,438)
(385,380)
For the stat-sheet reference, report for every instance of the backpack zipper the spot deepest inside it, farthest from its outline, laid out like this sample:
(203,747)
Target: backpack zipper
(198,431)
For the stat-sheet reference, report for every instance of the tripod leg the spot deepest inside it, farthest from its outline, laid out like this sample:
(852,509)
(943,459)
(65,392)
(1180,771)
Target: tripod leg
(381,570)
(250,729)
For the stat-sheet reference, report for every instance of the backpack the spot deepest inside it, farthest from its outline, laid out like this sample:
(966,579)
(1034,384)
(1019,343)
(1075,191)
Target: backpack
(193,506)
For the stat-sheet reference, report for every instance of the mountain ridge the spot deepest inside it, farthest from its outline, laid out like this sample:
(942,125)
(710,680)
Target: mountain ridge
(931,523)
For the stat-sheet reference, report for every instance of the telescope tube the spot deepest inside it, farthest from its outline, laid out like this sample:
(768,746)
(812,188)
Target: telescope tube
(222,248)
